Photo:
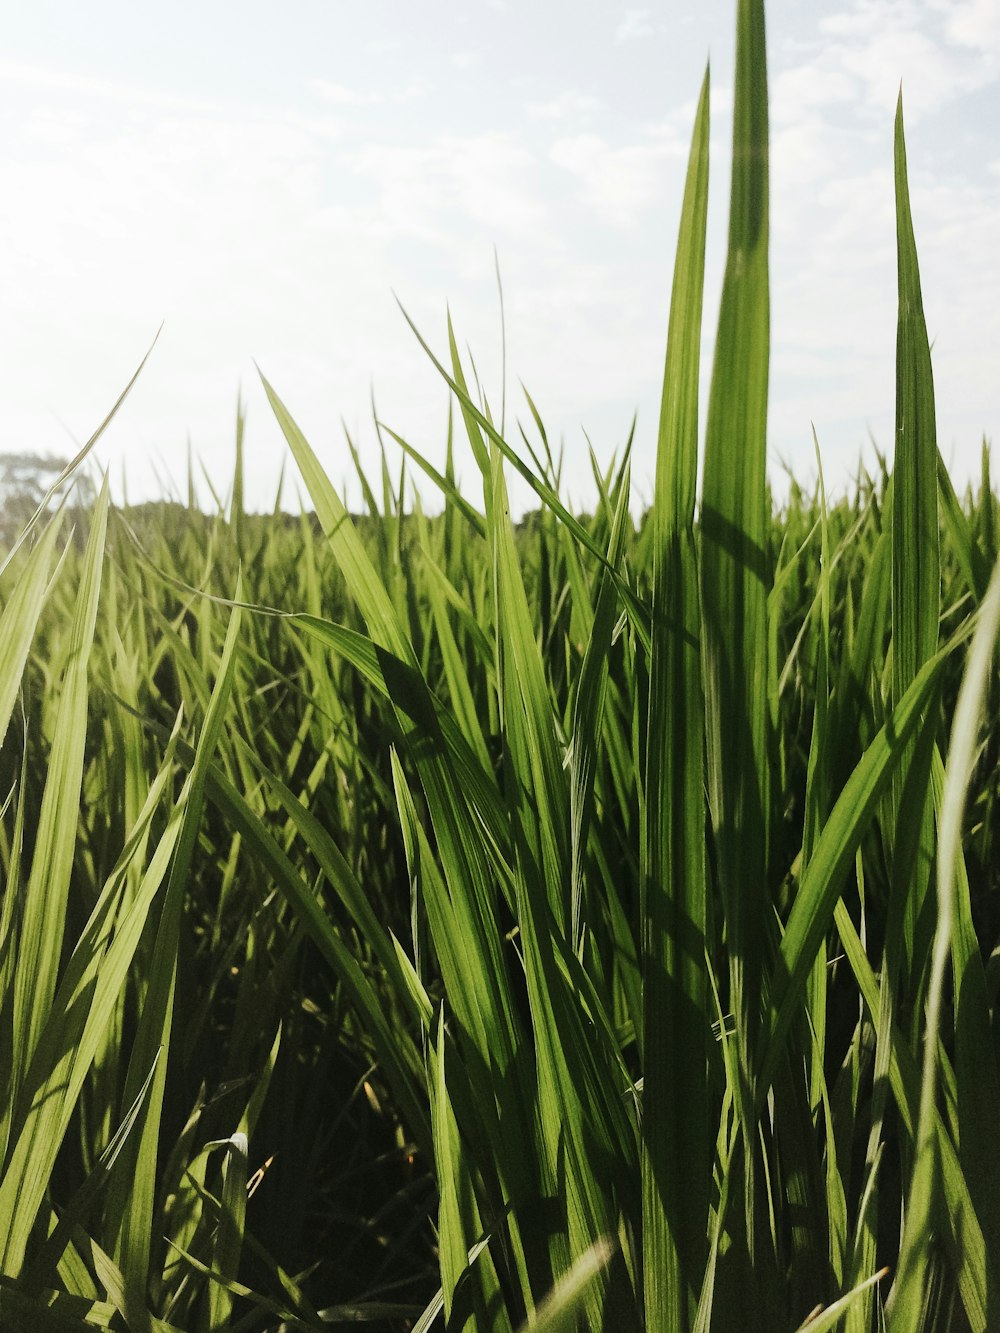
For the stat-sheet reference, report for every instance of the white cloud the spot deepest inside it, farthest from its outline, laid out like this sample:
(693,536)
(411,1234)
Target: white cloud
(803,88)
(340,95)
(878,44)
(974,24)
(566,105)
(635,24)
(426,191)
(36,78)
(617,182)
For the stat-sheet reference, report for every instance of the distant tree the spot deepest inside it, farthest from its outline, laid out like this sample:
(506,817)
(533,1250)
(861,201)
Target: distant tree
(24,479)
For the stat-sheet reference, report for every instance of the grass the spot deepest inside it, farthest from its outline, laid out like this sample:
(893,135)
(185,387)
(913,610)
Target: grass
(572,924)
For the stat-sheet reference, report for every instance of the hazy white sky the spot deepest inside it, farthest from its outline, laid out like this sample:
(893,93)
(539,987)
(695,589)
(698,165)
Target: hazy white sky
(262,178)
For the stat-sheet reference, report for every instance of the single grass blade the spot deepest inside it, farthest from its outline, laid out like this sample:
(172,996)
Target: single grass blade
(676,1134)
(916,593)
(735,575)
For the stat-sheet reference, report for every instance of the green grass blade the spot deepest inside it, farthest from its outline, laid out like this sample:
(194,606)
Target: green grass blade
(916,576)
(734,566)
(677,1138)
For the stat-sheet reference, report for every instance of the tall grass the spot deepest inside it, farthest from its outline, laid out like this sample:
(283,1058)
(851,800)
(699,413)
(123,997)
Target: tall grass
(441,921)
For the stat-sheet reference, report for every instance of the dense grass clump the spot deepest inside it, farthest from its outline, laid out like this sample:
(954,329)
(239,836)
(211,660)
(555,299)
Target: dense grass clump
(442,921)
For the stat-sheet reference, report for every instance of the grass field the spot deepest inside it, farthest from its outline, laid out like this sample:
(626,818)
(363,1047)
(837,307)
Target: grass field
(438,921)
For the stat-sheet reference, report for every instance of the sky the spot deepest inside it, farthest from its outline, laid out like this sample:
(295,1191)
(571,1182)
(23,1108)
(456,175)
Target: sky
(267,180)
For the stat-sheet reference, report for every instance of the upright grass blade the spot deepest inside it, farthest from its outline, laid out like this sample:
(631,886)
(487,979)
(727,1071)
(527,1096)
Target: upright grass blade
(237,510)
(676,1128)
(734,568)
(916,576)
